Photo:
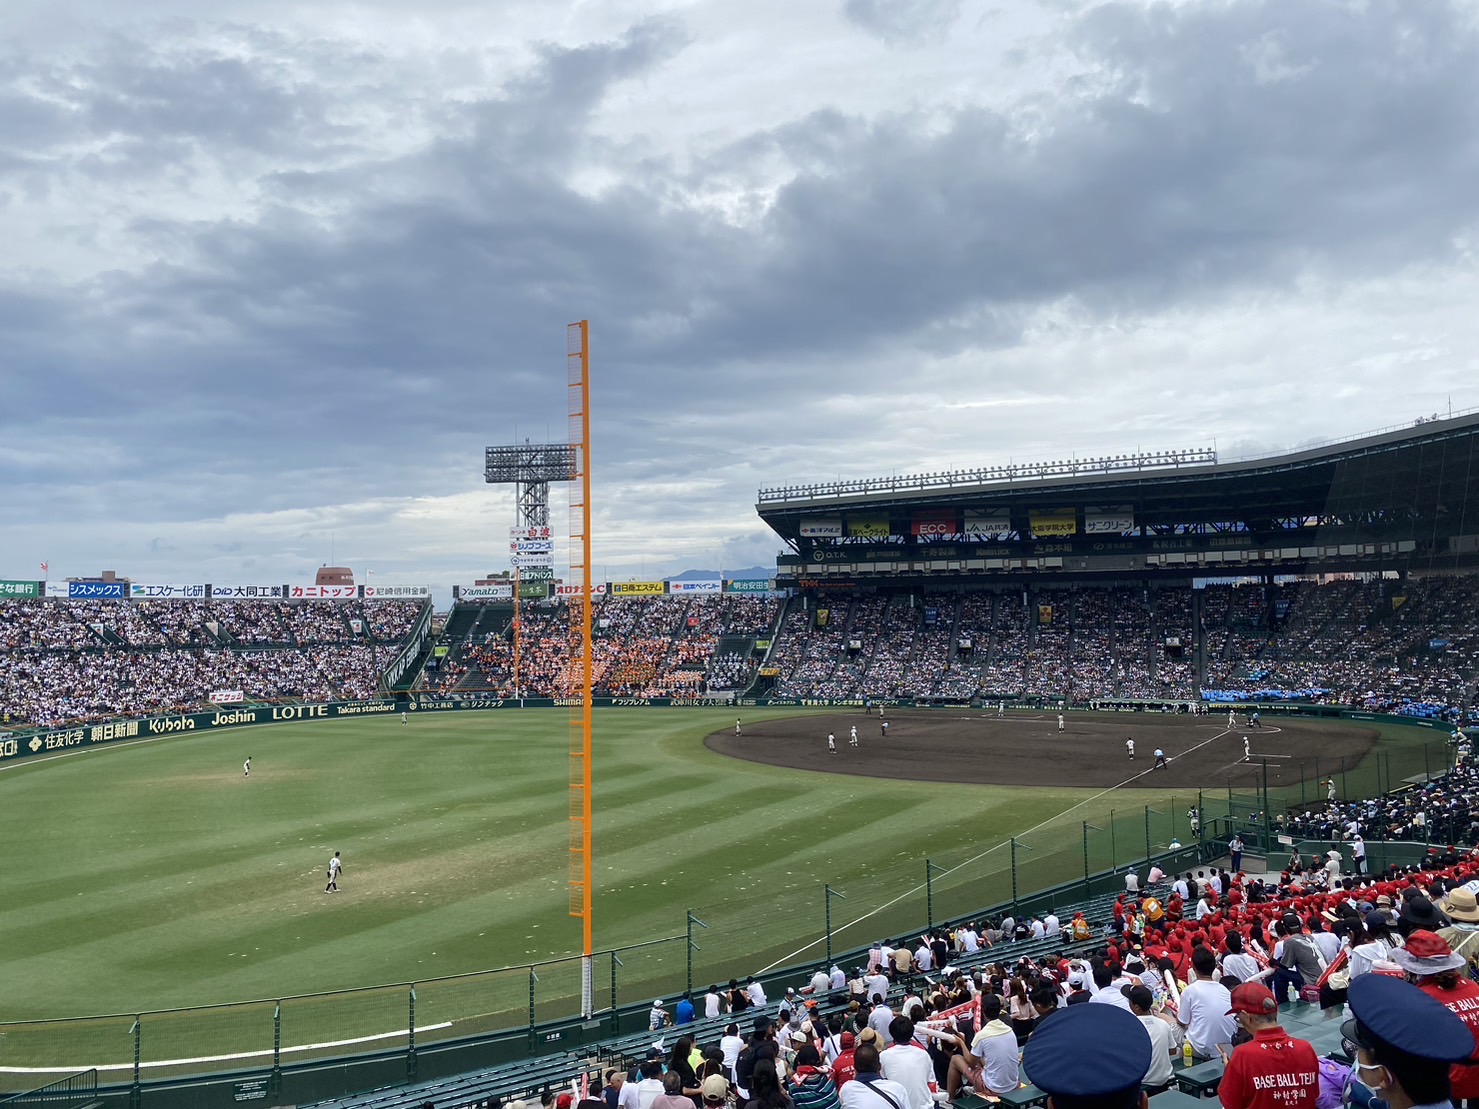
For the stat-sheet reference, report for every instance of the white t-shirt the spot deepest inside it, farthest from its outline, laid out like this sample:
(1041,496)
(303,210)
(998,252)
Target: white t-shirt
(757,994)
(731,1046)
(996,1047)
(912,1068)
(712,1006)
(1240,965)
(1203,1013)
(862,1095)
(821,982)
(1050,924)
(1111,995)
(1162,1045)
(875,984)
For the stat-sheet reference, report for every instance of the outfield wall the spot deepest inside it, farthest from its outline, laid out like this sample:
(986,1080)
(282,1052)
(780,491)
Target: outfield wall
(16,746)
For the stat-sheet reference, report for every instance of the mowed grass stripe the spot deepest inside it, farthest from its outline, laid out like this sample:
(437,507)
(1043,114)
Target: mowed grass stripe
(154,875)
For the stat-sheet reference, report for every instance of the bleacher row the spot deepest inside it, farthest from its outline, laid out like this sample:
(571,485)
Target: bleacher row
(1386,645)
(67,662)
(530,1078)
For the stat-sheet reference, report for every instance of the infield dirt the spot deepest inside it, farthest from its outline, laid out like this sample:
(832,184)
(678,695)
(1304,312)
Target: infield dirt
(1027,749)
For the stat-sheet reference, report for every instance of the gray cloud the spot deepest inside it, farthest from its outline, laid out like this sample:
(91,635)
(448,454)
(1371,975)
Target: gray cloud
(897,21)
(345,291)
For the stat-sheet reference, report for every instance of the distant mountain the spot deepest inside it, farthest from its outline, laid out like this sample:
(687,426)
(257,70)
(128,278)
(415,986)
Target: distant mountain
(751,573)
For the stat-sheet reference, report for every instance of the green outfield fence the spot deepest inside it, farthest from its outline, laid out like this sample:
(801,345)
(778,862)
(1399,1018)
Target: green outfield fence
(514,1012)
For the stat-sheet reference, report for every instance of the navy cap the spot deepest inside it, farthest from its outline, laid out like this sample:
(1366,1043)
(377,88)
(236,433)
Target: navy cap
(1090,1050)
(1400,1014)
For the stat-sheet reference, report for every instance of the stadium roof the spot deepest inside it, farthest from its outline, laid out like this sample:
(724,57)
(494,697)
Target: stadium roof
(1421,471)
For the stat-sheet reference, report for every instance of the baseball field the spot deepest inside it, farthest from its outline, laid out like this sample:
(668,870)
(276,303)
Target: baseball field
(156,875)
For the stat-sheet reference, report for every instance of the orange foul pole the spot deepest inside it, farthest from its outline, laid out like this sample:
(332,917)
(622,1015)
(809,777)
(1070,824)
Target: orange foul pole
(578,431)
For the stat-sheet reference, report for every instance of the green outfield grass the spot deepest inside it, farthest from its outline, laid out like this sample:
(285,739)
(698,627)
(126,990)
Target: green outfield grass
(153,875)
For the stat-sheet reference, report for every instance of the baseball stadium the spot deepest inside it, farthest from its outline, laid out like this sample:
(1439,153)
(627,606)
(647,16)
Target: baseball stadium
(578,819)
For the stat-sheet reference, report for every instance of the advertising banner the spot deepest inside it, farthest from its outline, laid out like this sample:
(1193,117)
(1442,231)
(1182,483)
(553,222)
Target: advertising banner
(563,590)
(1109,521)
(1054,523)
(713,585)
(869,527)
(988,525)
(248,592)
(933,523)
(529,533)
(486,592)
(95,590)
(396,592)
(59,589)
(638,588)
(20,589)
(531,546)
(531,562)
(537,573)
(323,592)
(144,591)
(534,590)
(749,585)
(821,527)
(226,696)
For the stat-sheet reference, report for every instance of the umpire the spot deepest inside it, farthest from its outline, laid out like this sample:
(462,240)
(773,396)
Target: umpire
(1402,1042)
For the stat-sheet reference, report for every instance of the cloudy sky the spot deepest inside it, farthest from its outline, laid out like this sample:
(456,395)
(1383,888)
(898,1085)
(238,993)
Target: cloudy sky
(274,275)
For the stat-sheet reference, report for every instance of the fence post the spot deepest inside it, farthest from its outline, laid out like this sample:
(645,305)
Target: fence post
(827,894)
(692,947)
(533,978)
(411,1037)
(929,892)
(615,1013)
(136,1094)
(1345,793)
(1427,774)
(1086,858)
(277,1047)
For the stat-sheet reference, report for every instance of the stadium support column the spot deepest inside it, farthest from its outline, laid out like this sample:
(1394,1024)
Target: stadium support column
(578,432)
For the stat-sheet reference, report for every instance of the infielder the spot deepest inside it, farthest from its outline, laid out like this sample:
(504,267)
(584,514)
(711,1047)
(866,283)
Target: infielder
(883,727)
(1060,721)
(736,727)
(1247,751)
(1130,747)
(854,739)
(831,742)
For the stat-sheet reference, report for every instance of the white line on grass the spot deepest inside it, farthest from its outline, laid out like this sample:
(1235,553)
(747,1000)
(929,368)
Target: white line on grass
(911,892)
(223,1058)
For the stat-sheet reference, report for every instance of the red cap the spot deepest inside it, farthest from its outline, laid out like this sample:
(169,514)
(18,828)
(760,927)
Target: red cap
(1250,997)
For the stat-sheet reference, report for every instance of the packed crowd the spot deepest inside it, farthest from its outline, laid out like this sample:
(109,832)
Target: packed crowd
(1191,966)
(64,662)
(641,647)
(1444,810)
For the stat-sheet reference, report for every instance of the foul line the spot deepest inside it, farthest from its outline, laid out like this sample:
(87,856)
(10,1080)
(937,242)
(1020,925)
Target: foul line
(224,1058)
(911,892)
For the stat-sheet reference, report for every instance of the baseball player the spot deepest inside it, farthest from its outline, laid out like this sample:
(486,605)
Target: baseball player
(831,742)
(883,728)
(1247,751)
(1060,721)
(1130,747)
(335,866)
(854,739)
(246,767)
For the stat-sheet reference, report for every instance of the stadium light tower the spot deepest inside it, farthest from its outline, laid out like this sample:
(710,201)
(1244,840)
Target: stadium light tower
(529,468)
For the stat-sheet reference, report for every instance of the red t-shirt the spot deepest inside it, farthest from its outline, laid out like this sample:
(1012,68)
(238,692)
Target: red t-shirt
(1273,1071)
(843,1068)
(1463,1002)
